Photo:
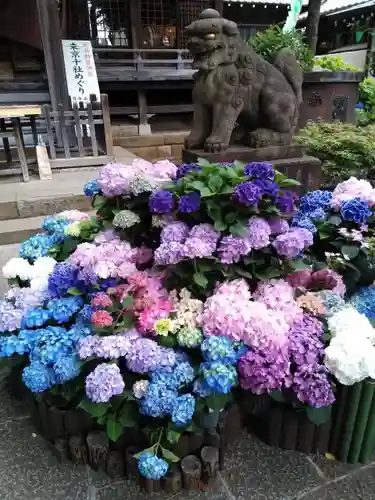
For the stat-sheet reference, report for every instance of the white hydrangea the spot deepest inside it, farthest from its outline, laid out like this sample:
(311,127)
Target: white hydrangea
(17,268)
(350,356)
(187,311)
(350,359)
(140,388)
(74,229)
(349,320)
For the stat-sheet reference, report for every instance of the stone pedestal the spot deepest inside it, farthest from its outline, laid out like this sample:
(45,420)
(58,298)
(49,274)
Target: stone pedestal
(290,160)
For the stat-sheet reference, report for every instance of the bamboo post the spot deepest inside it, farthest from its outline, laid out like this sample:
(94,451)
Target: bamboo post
(351,414)
(361,422)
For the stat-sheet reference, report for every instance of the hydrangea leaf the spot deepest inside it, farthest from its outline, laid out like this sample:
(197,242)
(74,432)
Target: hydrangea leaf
(168,455)
(94,409)
(200,280)
(114,428)
(350,251)
(318,416)
(173,436)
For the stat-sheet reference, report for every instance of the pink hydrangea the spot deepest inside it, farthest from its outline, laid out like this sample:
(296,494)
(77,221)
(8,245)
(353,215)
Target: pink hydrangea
(101,299)
(352,188)
(148,317)
(278,295)
(74,215)
(101,319)
(231,313)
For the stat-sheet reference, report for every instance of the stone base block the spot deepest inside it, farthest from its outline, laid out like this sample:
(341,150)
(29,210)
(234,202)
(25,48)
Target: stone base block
(289,160)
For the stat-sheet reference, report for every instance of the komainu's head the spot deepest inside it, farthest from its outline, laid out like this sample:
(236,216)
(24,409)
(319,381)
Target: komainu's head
(212,40)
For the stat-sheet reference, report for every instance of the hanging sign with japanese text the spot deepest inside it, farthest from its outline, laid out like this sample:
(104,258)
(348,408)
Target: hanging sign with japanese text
(80,70)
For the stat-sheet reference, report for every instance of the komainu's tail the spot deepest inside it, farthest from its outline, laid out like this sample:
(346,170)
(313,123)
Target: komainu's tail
(287,64)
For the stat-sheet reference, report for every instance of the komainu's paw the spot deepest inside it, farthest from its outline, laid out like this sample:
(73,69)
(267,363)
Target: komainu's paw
(262,138)
(214,144)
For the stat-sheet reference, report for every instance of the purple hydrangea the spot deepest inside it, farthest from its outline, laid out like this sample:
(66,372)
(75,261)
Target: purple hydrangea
(161,202)
(260,170)
(189,203)
(233,248)
(182,170)
(278,225)
(286,200)
(292,243)
(248,193)
(259,233)
(169,253)
(202,241)
(263,371)
(146,356)
(175,231)
(313,387)
(268,188)
(104,382)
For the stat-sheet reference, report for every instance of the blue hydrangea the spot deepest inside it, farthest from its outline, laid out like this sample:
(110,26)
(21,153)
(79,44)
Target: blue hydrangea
(219,377)
(151,466)
(158,401)
(84,315)
(201,389)
(63,277)
(38,377)
(56,226)
(184,374)
(218,349)
(9,346)
(183,410)
(66,368)
(62,310)
(240,349)
(355,210)
(304,223)
(314,200)
(248,193)
(174,378)
(364,301)
(318,214)
(91,188)
(79,331)
(36,318)
(37,246)
(48,344)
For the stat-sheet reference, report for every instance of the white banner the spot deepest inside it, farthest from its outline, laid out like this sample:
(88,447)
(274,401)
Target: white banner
(80,70)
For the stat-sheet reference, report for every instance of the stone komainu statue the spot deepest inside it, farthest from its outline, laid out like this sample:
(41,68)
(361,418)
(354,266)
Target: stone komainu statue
(235,86)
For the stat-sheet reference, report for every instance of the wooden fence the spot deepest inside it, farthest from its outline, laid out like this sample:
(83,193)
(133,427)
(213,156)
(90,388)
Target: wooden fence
(80,136)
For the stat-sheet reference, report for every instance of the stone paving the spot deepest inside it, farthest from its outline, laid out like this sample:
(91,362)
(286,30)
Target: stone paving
(253,471)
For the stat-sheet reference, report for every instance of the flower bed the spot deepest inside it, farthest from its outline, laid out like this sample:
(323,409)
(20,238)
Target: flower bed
(191,288)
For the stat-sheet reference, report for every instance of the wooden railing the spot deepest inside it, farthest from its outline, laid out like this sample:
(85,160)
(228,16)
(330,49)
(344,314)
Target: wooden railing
(143,60)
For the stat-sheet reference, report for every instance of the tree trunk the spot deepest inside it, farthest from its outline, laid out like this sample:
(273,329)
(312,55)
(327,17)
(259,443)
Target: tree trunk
(313,17)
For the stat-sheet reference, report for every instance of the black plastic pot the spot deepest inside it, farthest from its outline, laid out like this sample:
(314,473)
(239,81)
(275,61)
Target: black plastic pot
(329,96)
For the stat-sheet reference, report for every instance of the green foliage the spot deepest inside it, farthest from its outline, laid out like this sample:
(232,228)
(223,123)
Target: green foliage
(269,42)
(367,98)
(115,416)
(334,63)
(344,149)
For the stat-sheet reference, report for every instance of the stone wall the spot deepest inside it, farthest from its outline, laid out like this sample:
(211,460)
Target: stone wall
(155,146)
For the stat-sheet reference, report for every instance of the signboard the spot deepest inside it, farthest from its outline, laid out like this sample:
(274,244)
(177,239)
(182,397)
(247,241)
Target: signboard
(80,70)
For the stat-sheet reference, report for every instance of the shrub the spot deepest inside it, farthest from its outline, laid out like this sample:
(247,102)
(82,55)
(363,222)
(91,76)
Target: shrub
(269,42)
(344,149)
(334,63)
(367,100)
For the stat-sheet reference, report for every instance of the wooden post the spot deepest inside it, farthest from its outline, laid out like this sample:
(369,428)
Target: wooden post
(143,126)
(136,23)
(54,60)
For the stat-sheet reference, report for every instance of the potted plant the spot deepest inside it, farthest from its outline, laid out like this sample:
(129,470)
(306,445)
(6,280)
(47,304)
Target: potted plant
(330,86)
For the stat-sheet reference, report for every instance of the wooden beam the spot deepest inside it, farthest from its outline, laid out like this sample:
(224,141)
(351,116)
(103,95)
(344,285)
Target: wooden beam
(54,60)
(136,23)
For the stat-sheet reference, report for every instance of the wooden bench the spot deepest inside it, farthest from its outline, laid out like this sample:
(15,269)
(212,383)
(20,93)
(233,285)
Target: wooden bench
(14,113)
